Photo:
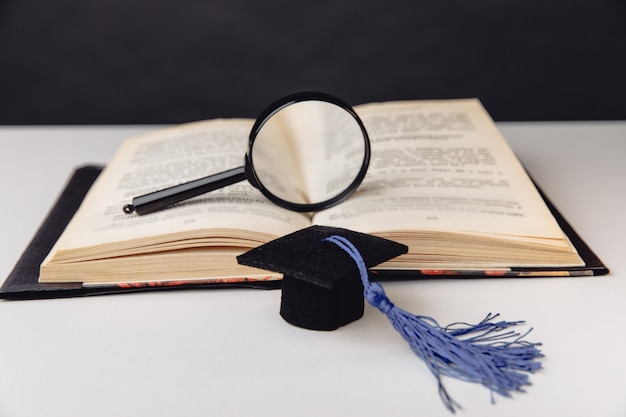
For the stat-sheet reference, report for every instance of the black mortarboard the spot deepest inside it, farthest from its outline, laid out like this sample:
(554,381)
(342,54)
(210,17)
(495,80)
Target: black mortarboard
(321,288)
(325,271)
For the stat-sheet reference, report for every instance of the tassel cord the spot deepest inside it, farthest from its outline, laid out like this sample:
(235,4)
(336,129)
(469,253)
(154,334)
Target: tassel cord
(487,353)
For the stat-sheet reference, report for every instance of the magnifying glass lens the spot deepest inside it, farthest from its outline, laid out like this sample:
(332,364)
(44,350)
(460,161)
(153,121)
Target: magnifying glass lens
(309,155)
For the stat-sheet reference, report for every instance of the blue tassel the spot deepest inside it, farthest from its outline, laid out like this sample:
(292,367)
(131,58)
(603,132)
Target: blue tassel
(485,353)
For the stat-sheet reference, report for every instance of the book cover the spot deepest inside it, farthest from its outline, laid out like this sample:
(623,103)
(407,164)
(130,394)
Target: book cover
(22,282)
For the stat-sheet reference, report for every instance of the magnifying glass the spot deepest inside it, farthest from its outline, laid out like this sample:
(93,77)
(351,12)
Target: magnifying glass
(307,152)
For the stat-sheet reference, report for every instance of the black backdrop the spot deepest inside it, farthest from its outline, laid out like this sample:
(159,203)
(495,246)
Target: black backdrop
(172,61)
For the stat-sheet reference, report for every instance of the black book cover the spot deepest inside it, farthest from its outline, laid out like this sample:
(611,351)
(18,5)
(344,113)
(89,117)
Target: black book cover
(22,282)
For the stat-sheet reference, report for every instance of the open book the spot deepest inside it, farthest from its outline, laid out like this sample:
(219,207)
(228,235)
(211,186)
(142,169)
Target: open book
(442,180)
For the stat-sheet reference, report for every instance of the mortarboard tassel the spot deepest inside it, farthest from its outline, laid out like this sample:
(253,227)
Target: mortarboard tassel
(486,352)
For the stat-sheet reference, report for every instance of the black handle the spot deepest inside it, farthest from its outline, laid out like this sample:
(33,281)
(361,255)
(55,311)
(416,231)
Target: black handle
(158,200)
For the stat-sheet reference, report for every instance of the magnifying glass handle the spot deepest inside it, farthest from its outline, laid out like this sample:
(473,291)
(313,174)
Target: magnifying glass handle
(158,200)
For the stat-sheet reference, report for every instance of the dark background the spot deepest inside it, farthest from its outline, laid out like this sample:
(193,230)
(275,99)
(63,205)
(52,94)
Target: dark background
(162,61)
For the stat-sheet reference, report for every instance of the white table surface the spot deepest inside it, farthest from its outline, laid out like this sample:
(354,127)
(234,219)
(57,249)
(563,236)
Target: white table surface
(228,352)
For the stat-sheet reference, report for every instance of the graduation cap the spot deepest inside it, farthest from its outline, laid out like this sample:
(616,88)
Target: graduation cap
(325,278)
(321,288)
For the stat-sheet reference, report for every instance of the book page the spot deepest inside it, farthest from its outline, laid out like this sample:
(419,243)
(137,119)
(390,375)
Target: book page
(236,214)
(442,166)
